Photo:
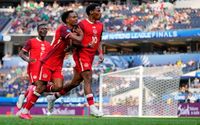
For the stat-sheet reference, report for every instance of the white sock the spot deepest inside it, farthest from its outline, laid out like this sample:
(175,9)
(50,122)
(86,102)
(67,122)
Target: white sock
(25,111)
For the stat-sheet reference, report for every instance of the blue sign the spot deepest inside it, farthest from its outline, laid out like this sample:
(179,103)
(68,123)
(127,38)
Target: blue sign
(1,37)
(150,35)
(197,74)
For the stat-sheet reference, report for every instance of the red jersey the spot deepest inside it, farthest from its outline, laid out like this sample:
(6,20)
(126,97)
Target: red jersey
(36,49)
(92,32)
(56,54)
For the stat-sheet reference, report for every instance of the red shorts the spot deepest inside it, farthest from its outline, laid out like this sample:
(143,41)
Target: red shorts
(33,76)
(33,71)
(47,73)
(83,62)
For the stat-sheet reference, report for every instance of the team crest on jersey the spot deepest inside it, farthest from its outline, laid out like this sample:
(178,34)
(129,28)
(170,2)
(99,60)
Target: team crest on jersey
(42,48)
(34,77)
(86,64)
(44,75)
(95,31)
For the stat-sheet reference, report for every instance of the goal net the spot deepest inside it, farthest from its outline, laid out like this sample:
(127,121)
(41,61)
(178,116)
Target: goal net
(140,91)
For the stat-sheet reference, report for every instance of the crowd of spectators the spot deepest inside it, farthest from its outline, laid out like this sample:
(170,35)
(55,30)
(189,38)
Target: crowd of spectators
(116,17)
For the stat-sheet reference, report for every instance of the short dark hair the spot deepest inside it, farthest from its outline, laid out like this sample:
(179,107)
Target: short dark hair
(41,24)
(65,15)
(91,7)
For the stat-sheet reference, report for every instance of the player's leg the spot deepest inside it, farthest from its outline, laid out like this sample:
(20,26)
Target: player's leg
(40,87)
(32,98)
(87,76)
(77,79)
(22,97)
(85,65)
(32,78)
(57,79)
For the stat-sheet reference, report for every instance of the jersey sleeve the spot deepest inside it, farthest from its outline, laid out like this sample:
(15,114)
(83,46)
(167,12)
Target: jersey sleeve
(80,24)
(27,46)
(64,32)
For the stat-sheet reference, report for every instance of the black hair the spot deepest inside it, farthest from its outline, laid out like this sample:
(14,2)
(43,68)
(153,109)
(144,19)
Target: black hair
(91,7)
(65,15)
(41,24)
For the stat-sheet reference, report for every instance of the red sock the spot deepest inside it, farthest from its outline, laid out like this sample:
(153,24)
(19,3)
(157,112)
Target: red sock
(31,99)
(30,88)
(90,99)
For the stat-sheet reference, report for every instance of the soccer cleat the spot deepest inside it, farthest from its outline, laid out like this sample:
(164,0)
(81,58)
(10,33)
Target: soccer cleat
(20,101)
(50,100)
(49,113)
(25,116)
(18,113)
(95,112)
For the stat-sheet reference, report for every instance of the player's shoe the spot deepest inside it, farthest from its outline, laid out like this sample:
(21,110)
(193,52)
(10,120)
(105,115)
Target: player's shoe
(20,101)
(50,100)
(49,113)
(18,112)
(95,112)
(25,116)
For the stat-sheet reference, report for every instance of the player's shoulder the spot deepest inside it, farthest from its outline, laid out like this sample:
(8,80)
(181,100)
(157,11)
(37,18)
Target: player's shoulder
(47,42)
(99,22)
(83,20)
(60,26)
(63,27)
(31,40)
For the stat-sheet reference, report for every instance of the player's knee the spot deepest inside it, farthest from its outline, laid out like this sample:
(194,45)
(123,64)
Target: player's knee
(87,75)
(40,89)
(58,87)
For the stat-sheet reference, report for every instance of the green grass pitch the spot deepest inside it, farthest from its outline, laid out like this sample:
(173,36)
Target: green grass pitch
(88,120)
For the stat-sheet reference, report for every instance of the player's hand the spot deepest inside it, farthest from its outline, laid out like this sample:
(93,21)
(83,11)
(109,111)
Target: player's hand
(32,60)
(91,44)
(101,58)
(78,30)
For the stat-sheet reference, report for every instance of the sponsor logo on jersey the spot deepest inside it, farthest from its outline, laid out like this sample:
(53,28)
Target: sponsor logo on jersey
(34,77)
(42,48)
(86,64)
(95,31)
(44,75)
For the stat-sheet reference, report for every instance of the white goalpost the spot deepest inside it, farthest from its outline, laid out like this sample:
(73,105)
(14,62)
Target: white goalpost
(140,91)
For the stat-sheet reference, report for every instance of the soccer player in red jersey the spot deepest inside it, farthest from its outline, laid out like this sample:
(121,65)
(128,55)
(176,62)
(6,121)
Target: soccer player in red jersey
(84,57)
(51,68)
(32,52)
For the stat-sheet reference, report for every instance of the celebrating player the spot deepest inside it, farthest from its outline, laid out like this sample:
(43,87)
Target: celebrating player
(31,53)
(52,62)
(84,57)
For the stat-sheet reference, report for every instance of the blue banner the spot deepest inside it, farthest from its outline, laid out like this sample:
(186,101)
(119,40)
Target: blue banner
(1,37)
(151,35)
